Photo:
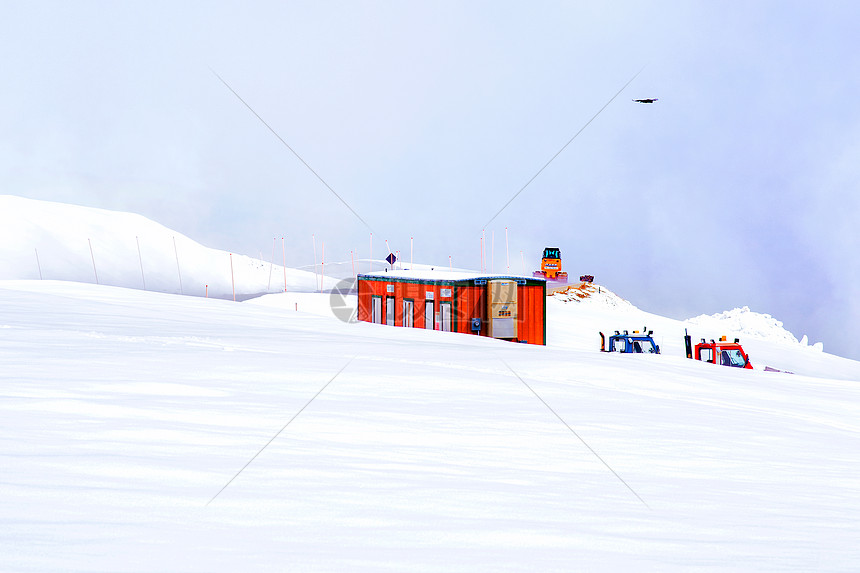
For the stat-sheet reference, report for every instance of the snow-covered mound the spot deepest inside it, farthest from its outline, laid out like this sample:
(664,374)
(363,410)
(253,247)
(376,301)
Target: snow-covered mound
(746,323)
(55,241)
(592,294)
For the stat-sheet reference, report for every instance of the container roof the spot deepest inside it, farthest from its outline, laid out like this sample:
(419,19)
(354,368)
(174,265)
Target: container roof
(432,274)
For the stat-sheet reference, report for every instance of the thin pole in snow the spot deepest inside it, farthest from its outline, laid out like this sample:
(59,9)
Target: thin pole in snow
(316,275)
(176,252)
(95,272)
(38,264)
(142,277)
(231,277)
(507,253)
(450,264)
(322,268)
(271,264)
(493,252)
(483,251)
(207,291)
(387,247)
(284,251)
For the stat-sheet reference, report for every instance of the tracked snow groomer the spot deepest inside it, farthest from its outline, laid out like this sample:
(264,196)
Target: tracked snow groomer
(720,352)
(550,266)
(626,343)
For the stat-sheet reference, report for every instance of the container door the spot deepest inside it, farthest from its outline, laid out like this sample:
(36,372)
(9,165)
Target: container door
(376,310)
(429,310)
(502,308)
(407,313)
(389,310)
(445,315)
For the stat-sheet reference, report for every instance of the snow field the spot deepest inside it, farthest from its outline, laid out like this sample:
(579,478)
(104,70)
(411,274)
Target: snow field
(124,412)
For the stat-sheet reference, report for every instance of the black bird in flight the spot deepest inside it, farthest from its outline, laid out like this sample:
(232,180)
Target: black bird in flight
(646,100)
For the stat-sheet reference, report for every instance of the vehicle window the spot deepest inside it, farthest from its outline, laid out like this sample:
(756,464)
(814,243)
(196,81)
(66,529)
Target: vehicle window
(618,345)
(732,357)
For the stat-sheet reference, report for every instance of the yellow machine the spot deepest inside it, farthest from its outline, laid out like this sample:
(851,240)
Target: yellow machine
(550,266)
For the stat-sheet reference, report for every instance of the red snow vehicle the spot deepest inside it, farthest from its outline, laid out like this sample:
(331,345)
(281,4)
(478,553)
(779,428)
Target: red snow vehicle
(720,352)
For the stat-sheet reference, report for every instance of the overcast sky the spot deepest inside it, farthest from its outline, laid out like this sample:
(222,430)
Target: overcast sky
(738,187)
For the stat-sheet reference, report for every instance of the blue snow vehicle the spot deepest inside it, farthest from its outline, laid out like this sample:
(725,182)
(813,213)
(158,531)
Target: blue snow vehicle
(636,343)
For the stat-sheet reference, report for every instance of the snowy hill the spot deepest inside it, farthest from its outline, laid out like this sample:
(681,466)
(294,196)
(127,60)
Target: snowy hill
(54,241)
(144,431)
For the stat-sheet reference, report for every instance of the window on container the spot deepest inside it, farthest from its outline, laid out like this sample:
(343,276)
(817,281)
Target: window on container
(408,310)
(389,310)
(429,311)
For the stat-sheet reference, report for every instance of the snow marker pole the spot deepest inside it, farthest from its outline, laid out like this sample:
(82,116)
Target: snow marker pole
(316,275)
(38,264)
(322,268)
(231,277)
(95,272)
(143,278)
(507,252)
(271,264)
(176,252)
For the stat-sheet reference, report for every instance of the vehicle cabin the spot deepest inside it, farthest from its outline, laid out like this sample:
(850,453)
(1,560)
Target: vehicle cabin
(720,352)
(626,343)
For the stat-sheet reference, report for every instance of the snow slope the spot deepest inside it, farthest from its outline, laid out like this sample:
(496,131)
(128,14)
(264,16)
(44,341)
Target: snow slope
(125,412)
(144,431)
(43,239)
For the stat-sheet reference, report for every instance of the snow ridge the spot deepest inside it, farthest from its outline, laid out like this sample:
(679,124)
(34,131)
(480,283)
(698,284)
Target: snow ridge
(744,322)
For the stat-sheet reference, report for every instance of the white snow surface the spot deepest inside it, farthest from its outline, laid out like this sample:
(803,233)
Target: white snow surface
(146,431)
(43,239)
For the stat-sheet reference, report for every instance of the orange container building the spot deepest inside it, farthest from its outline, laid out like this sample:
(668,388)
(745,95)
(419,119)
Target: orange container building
(500,306)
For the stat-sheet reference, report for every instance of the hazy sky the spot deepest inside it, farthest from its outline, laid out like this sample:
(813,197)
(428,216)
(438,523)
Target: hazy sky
(738,187)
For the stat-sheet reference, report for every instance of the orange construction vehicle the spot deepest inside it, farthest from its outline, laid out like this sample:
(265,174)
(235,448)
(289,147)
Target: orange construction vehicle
(720,352)
(550,266)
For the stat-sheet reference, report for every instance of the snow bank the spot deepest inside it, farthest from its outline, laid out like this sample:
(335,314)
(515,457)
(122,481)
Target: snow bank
(746,323)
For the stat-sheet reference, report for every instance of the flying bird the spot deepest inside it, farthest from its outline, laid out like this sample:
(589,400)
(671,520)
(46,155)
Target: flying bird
(646,100)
